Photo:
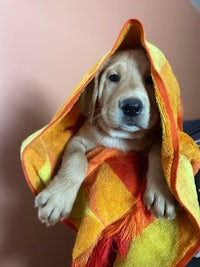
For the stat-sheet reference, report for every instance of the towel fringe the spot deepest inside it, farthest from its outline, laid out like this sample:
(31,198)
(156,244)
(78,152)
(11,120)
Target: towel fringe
(115,239)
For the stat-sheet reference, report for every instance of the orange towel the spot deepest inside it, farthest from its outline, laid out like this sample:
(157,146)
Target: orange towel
(113,226)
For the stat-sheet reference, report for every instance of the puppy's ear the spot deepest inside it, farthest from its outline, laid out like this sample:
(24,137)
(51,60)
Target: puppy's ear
(88,99)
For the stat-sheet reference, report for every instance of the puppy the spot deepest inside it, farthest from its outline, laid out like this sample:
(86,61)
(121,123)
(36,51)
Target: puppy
(123,114)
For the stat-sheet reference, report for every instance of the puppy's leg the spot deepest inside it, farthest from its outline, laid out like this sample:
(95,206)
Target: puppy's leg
(56,200)
(157,195)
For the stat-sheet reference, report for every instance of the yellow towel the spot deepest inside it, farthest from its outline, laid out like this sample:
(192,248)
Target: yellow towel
(113,227)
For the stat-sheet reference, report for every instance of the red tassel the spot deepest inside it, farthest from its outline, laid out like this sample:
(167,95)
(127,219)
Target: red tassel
(101,253)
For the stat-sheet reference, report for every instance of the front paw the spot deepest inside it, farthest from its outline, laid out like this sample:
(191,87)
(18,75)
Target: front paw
(160,201)
(53,205)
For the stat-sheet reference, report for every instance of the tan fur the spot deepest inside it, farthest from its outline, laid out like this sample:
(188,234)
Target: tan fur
(109,107)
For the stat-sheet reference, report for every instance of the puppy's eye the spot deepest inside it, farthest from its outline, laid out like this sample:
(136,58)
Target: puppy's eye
(149,80)
(114,78)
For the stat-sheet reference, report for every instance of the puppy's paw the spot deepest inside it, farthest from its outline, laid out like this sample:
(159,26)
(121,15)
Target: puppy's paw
(160,201)
(53,205)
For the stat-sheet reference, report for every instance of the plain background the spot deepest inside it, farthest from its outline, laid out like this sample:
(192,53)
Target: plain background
(46,46)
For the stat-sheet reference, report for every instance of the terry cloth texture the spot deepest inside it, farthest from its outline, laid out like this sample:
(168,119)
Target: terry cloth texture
(113,226)
(192,128)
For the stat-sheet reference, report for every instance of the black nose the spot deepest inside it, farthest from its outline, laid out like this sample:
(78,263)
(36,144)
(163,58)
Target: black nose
(131,107)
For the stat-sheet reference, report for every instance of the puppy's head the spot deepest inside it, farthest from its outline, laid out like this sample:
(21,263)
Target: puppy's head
(123,101)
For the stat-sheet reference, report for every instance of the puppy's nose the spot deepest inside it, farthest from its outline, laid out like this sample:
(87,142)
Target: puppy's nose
(131,106)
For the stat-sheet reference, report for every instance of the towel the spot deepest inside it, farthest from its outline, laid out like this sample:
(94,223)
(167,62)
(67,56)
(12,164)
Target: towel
(113,226)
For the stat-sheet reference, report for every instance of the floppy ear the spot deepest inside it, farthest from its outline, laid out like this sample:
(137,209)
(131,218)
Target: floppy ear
(88,99)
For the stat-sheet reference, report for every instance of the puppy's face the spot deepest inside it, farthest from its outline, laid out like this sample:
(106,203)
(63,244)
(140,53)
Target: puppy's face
(124,95)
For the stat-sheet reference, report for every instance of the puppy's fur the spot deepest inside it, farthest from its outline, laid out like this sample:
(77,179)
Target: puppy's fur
(121,112)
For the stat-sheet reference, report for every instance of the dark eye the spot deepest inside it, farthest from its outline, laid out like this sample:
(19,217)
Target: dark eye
(149,80)
(114,78)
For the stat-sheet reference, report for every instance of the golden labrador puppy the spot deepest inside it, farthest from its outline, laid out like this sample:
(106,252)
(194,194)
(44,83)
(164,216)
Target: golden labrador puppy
(123,114)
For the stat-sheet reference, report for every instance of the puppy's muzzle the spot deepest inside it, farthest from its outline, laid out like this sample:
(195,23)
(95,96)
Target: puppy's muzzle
(131,107)
(131,114)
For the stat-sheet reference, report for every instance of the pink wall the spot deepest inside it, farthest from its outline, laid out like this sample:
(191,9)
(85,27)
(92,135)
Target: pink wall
(45,48)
